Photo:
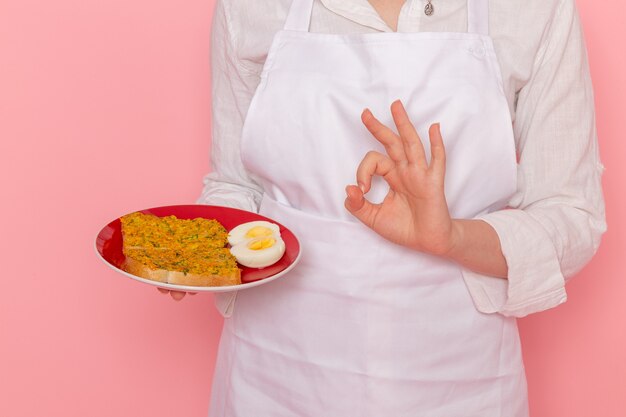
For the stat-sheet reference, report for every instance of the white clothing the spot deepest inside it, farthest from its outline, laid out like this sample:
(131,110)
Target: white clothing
(362,326)
(556,217)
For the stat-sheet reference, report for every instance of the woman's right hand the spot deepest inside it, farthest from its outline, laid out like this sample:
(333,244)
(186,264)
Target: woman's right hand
(176,295)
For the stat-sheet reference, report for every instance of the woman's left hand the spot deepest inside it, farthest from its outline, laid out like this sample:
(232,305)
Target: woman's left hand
(415,212)
(176,295)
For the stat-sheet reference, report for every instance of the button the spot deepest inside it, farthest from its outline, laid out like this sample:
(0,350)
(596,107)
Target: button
(478,51)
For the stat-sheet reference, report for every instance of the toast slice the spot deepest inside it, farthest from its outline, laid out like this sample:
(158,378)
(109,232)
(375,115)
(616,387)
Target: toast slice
(231,276)
(176,251)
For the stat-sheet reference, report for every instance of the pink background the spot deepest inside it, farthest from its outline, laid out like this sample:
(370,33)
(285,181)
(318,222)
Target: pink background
(104,109)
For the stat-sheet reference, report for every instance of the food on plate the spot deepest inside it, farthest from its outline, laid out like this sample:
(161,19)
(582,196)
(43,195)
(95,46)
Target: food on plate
(178,251)
(256,244)
(251,230)
(149,231)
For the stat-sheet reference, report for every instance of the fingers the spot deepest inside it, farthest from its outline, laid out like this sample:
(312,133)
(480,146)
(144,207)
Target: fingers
(354,198)
(386,136)
(360,208)
(176,295)
(405,147)
(437,151)
(374,163)
(413,148)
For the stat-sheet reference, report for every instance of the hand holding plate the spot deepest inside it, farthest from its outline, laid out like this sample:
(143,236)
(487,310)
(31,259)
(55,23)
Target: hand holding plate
(176,295)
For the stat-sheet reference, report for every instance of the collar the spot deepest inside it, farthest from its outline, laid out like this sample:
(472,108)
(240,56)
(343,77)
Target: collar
(359,11)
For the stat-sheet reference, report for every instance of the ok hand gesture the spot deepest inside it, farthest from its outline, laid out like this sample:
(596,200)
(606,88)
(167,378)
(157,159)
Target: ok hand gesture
(414,213)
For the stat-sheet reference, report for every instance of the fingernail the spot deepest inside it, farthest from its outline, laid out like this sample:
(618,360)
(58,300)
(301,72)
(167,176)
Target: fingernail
(362,187)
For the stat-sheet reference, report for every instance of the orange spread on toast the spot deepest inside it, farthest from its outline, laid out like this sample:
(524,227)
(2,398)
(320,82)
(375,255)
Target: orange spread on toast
(187,247)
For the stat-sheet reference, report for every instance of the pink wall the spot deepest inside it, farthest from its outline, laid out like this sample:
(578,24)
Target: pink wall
(85,87)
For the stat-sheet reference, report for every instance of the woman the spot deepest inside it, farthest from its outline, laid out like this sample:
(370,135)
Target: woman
(418,254)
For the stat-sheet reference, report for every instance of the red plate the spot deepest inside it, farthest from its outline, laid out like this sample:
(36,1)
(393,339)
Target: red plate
(109,245)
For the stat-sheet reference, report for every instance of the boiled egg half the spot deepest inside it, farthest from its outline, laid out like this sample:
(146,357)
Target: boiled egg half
(256,244)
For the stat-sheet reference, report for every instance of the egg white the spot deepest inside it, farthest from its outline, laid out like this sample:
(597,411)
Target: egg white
(258,258)
(239,233)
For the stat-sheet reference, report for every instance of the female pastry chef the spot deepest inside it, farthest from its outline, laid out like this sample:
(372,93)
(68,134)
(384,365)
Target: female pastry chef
(438,162)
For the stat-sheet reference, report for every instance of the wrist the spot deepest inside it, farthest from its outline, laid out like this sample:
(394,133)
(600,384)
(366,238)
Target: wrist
(475,245)
(457,233)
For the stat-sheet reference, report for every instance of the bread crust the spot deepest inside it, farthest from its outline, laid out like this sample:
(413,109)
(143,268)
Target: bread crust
(180,278)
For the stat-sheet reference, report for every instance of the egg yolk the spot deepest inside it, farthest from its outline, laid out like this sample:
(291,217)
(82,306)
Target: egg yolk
(261,244)
(258,231)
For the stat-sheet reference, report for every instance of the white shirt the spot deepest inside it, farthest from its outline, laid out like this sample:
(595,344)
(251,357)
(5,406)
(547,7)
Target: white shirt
(555,219)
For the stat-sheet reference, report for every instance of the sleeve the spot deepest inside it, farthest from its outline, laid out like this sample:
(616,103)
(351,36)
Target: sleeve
(556,218)
(232,87)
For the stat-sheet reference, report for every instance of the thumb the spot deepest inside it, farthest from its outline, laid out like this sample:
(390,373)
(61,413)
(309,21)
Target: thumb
(359,207)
